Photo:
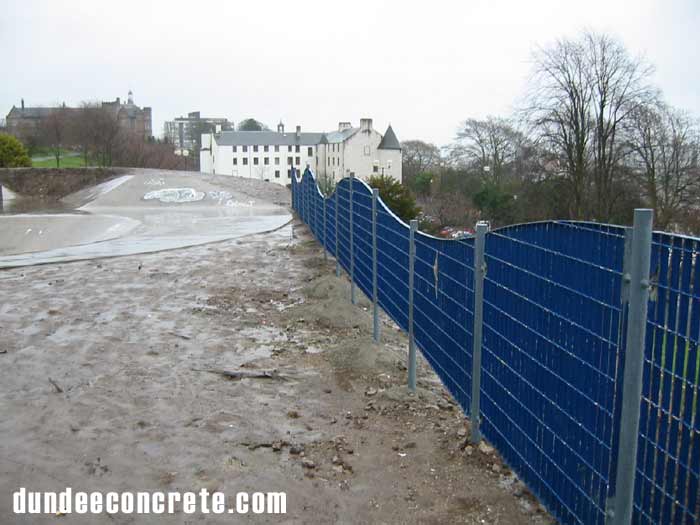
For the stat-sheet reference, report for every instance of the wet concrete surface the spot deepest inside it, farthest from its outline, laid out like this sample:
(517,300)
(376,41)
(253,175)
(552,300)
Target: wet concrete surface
(139,212)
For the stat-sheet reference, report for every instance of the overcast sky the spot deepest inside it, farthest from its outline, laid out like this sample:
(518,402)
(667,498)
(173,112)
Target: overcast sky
(421,66)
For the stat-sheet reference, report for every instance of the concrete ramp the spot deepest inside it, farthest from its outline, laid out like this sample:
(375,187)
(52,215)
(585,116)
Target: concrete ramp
(37,232)
(139,212)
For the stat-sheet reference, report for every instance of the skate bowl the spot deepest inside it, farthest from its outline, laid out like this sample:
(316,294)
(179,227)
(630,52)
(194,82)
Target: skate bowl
(136,211)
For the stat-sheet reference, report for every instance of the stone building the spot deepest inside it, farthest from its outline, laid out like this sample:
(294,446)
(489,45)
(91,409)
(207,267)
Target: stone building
(25,121)
(269,155)
(132,118)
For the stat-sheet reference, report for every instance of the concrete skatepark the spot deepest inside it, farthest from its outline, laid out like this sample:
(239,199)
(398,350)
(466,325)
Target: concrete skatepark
(138,211)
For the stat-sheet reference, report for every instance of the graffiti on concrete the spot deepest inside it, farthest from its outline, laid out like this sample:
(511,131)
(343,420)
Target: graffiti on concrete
(175,195)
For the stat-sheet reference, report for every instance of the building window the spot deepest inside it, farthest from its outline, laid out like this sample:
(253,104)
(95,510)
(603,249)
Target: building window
(296,148)
(267,161)
(277,174)
(298,161)
(289,174)
(289,148)
(329,161)
(235,161)
(277,149)
(235,148)
(255,161)
(266,149)
(255,149)
(310,152)
(375,169)
(245,161)
(245,149)
(290,160)
(277,161)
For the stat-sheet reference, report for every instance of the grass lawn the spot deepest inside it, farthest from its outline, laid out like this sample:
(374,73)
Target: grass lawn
(66,162)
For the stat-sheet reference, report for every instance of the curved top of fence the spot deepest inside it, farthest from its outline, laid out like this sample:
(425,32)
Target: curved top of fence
(389,211)
(613,230)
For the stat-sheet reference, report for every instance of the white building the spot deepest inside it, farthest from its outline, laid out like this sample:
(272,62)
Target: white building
(270,155)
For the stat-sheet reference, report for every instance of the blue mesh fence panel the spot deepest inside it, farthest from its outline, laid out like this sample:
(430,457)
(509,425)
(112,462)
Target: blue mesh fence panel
(392,265)
(553,345)
(343,189)
(444,310)
(330,223)
(551,332)
(362,227)
(668,463)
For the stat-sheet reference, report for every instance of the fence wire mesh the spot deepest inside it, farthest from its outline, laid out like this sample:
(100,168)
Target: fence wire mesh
(554,319)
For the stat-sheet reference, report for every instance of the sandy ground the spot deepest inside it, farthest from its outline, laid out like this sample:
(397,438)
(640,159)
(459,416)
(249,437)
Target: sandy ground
(130,340)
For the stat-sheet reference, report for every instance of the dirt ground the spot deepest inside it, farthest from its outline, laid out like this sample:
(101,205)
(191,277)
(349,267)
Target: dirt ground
(131,343)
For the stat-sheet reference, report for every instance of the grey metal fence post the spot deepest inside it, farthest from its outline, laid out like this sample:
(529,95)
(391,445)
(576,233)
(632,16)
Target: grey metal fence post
(411,338)
(477,329)
(640,256)
(353,298)
(337,234)
(375,295)
(325,231)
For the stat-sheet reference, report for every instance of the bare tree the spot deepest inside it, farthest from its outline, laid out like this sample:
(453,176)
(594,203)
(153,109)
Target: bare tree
(492,143)
(451,209)
(664,145)
(581,92)
(85,125)
(620,85)
(54,132)
(107,134)
(558,109)
(419,157)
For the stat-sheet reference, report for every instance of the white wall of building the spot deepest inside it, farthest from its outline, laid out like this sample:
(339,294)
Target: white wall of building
(358,154)
(205,155)
(244,161)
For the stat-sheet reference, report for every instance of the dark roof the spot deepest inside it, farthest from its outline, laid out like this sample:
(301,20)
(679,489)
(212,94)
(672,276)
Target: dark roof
(28,112)
(389,140)
(271,138)
(323,139)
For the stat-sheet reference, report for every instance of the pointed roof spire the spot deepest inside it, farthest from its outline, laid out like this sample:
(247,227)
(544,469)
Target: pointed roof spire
(323,139)
(389,140)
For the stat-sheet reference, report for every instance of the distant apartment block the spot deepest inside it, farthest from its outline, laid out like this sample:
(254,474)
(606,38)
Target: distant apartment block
(26,120)
(270,155)
(185,132)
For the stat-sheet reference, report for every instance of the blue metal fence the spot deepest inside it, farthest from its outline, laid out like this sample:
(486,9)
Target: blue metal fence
(554,319)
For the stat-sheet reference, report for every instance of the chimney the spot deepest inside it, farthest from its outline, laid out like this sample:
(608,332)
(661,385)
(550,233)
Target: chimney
(280,127)
(22,104)
(342,126)
(366,124)
(298,132)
